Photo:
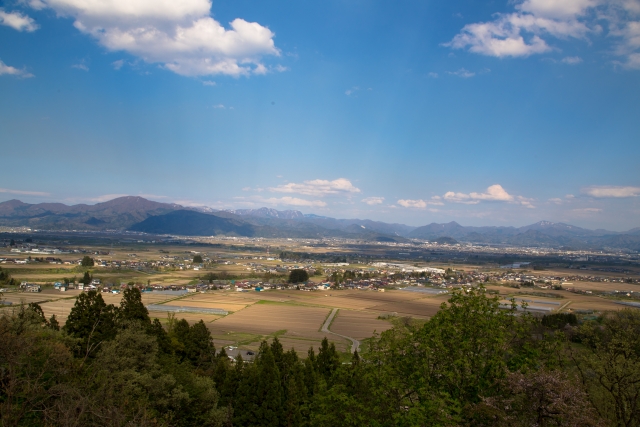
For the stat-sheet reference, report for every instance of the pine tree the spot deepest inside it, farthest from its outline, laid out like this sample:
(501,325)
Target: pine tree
(92,321)
(53,323)
(132,308)
(268,389)
(328,359)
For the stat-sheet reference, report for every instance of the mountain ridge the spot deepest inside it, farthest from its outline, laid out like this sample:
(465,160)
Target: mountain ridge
(128,212)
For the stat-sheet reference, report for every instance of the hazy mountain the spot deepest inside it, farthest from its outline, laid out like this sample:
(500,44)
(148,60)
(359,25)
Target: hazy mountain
(119,213)
(192,223)
(268,213)
(137,213)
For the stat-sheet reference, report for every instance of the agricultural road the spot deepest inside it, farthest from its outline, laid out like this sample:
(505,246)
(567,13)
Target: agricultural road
(325,328)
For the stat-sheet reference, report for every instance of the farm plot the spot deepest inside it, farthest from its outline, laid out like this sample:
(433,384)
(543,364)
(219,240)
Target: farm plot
(358,324)
(61,308)
(297,326)
(265,319)
(389,296)
(209,304)
(425,307)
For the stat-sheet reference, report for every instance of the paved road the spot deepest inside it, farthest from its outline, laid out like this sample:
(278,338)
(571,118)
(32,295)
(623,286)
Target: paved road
(325,328)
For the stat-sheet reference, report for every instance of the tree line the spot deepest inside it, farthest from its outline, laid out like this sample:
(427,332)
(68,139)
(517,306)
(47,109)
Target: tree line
(472,364)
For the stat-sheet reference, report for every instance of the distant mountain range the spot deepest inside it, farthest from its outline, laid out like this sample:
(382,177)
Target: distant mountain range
(139,214)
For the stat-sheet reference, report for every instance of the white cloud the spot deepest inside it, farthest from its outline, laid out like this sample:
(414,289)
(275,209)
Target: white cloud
(494,193)
(433,75)
(80,66)
(612,191)
(18,21)
(408,203)
(318,187)
(564,9)
(25,193)
(118,64)
(534,23)
(209,83)
(179,35)
(464,73)
(219,106)
(12,71)
(373,200)
(572,60)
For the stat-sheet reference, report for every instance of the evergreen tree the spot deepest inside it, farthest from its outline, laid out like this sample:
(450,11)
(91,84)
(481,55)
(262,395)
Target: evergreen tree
(92,321)
(298,276)
(197,259)
(87,261)
(268,389)
(86,279)
(328,359)
(132,308)
(53,323)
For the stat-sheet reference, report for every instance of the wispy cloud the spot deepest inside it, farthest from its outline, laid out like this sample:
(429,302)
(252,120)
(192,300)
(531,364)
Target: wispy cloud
(12,71)
(605,191)
(462,72)
(25,193)
(80,66)
(117,64)
(572,60)
(371,201)
(318,187)
(208,83)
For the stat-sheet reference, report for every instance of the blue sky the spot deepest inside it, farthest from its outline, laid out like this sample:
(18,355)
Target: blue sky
(486,113)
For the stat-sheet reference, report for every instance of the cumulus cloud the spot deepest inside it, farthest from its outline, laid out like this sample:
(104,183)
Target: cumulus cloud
(612,191)
(17,21)
(371,201)
(535,23)
(12,71)
(179,35)
(494,193)
(318,187)
(408,203)
(25,193)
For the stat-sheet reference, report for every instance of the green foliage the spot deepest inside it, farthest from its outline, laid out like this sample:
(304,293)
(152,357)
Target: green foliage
(86,279)
(132,308)
(298,276)
(475,363)
(559,320)
(609,365)
(92,322)
(197,259)
(87,261)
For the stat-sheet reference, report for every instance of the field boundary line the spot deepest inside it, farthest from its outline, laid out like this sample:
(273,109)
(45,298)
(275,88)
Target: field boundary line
(566,304)
(325,328)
